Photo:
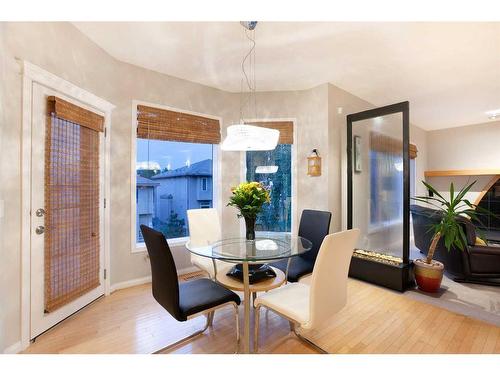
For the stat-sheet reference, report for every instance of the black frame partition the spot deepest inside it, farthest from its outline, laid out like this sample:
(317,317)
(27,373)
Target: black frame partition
(395,276)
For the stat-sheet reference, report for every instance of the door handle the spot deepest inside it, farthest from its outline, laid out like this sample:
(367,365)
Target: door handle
(40,229)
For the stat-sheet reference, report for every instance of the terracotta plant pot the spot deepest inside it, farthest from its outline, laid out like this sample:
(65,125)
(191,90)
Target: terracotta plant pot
(428,276)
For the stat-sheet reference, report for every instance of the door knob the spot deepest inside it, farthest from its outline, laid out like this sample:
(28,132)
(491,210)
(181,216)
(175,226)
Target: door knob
(40,229)
(40,212)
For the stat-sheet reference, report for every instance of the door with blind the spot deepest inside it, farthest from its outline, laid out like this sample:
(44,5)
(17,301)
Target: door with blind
(67,219)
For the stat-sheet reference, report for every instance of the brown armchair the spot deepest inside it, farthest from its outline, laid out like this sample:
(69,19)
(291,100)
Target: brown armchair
(475,264)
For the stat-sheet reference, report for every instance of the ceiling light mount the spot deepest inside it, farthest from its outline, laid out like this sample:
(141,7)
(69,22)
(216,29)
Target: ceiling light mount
(249,25)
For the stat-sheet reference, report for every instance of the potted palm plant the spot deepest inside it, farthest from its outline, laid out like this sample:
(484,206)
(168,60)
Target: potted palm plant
(429,272)
(248,198)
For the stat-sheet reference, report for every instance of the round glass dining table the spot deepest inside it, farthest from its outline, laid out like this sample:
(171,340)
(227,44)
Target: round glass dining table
(267,247)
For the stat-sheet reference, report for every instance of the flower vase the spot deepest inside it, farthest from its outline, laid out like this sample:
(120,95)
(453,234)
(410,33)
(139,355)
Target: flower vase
(250,226)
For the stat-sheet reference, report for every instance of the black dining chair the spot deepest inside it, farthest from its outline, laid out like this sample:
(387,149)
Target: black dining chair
(188,299)
(314,225)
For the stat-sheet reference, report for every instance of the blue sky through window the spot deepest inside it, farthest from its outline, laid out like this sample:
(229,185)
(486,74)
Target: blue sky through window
(172,154)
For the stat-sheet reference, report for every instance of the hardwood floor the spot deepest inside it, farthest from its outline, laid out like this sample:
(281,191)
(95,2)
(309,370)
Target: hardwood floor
(375,320)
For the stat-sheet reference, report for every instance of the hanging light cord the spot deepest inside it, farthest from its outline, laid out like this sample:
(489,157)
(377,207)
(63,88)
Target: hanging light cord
(251,37)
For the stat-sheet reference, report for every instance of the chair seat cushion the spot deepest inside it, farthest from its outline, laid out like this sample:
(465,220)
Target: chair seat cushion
(298,267)
(291,300)
(202,294)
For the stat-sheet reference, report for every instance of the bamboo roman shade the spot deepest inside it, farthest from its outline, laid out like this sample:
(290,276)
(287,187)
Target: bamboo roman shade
(285,128)
(383,143)
(166,125)
(72,219)
(67,111)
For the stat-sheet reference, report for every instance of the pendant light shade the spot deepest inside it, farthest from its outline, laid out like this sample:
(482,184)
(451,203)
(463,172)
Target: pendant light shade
(243,137)
(263,169)
(147,166)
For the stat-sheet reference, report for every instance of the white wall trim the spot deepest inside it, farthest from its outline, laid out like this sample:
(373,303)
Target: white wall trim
(295,218)
(34,74)
(147,279)
(130,283)
(13,349)
(216,172)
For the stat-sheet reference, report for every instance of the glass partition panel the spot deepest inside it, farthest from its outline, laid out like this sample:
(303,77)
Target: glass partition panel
(377,187)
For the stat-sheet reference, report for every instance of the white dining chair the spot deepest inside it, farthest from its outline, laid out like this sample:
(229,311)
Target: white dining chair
(204,228)
(309,305)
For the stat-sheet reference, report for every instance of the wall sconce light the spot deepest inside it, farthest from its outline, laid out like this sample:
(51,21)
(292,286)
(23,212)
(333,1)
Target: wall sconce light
(314,164)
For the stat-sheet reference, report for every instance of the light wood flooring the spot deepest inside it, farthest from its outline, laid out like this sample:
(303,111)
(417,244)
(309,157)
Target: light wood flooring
(375,320)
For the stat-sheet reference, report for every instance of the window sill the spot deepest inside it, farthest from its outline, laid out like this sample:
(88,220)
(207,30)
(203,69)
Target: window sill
(172,242)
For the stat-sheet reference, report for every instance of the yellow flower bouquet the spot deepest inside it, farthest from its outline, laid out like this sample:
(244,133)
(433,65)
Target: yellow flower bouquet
(248,198)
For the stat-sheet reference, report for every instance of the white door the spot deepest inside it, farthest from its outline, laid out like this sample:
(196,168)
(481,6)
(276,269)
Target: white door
(66,270)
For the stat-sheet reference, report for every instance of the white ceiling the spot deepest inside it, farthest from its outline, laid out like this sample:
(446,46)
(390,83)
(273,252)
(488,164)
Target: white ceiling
(450,72)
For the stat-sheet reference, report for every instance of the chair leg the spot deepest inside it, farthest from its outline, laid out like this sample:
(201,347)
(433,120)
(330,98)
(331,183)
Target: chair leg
(210,318)
(199,332)
(317,347)
(237,318)
(256,330)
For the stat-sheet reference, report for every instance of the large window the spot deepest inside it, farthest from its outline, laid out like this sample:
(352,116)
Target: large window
(174,169)
(172,177)
(276,216)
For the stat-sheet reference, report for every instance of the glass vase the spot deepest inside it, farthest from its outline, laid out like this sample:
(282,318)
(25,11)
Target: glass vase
(250,227)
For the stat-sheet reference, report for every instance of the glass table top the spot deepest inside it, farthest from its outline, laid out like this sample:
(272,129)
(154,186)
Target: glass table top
(267,246)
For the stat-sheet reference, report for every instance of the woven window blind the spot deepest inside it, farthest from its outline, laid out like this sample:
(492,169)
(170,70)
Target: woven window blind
(384,143)
(162,124)
(285,128)
(71,203)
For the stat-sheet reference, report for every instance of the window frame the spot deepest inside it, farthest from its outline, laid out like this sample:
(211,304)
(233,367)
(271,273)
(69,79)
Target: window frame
(243,172)
(216,175)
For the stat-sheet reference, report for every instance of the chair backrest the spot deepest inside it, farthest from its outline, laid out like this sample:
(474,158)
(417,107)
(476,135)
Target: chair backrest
(314,225)
(204,226)
(165,283)
(328,293)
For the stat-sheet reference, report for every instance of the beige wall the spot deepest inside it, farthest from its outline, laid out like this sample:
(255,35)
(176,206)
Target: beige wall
(72,56)
(466,147)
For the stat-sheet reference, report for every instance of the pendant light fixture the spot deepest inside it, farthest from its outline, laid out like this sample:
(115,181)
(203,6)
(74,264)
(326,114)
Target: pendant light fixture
(243,137)
(267,169)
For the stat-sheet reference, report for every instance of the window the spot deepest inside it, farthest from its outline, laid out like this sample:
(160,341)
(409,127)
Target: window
(167,184)
(275,216)
(174,171)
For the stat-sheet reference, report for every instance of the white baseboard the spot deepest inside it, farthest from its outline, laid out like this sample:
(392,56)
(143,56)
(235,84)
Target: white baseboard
(130,283)
(147,279)
(13,349)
